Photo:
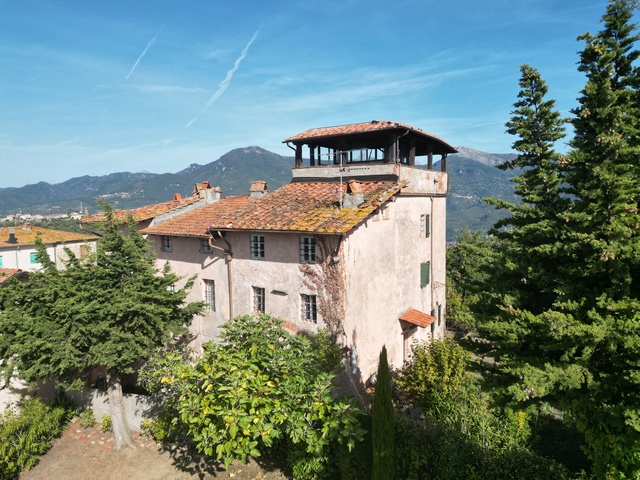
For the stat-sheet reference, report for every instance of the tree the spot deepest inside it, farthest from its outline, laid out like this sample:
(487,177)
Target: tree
(382,420)
(259,387)
(569,330)
(530,233)
(109,310)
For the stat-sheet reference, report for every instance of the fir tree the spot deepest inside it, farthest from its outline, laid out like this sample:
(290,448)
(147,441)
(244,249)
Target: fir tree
(580,343)
(383,419)
(110,310)
(531,231)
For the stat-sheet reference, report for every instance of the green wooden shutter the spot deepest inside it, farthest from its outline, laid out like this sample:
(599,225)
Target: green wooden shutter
(427,226)
(425,270)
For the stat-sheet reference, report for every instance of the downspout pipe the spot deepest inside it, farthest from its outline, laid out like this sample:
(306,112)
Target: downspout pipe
(228,256)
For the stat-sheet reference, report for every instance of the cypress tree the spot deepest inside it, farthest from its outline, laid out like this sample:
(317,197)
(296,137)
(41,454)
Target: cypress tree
(383,423)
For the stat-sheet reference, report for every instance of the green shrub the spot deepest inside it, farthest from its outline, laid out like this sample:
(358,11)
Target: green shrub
(87,418)
(355,463)
(29,433)
(105,424)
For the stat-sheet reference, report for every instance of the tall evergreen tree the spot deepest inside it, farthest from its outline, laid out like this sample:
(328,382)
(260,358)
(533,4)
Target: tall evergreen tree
(530,233)
(580,343)
(383,420)
(109,310)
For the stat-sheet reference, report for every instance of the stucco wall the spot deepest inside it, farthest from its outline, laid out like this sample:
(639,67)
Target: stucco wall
(19,256)
(383,258)
(279,274)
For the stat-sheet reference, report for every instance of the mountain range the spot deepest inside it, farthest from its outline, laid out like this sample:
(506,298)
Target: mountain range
(473,175)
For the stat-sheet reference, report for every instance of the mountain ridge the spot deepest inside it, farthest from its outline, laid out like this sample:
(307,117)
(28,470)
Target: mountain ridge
(472,176)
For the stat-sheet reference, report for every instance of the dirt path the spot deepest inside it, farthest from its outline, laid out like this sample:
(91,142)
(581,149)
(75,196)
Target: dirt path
(88,454)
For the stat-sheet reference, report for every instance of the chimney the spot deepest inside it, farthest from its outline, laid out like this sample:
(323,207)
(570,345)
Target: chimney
(258,189)
(12,237)
(177,196)
(206,191)
(354,195)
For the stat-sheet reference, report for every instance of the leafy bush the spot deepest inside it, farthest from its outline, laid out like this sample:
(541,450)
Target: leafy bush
(455,432)
(261,385)
(87,418)
(105,424)
(29,433)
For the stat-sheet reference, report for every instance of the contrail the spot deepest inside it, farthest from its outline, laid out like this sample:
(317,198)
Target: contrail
(189,124)
(224,84)
(153,40)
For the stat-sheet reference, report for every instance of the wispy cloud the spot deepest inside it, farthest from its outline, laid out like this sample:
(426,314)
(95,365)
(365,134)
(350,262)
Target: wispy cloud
(224,84)
(153,40)
(167,89)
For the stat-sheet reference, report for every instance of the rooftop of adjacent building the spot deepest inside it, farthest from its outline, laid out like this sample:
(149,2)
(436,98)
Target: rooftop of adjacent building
(26,235)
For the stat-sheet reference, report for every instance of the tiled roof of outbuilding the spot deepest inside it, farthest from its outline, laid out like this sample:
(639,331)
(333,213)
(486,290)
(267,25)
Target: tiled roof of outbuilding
(144,213)
(6,273)
(296,207)
(416,317)
(27,236)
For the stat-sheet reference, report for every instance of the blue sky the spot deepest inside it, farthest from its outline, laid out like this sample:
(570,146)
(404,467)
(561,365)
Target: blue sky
(97,87)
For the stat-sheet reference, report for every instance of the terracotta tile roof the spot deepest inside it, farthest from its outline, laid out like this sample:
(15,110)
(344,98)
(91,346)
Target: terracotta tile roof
(145,213)
(196,222)
(5,273)
(355,128)
(28,236)
(416,317)
(296,207)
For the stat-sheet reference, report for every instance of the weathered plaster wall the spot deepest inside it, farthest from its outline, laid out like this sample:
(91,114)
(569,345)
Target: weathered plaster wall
(383,259)
(279,274)
(187,259)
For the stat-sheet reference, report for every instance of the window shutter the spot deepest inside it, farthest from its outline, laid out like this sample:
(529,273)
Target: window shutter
(427,226)
(425,270)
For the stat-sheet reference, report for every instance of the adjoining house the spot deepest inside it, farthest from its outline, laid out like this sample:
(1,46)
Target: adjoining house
(355,243)
(18,250)
(151,214)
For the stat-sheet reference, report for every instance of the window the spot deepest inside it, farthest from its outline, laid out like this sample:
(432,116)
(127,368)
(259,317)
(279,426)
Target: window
(210,295)
(34,257)
(258,300)
(425,225)
(425,273)
(308,308)
(206,248)
(257,246)
(308,250)
(0,260)
(167,244)
(171,287)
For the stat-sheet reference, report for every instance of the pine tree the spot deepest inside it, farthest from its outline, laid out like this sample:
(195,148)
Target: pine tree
(569,327)
(110,310)
(531,231)
(383,421)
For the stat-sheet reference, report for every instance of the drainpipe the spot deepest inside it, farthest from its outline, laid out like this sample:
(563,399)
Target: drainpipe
(228,256)
(431,264)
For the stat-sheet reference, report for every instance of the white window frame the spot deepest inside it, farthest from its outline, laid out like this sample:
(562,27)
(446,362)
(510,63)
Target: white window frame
(257,247)
(209,288)
(309,308)
(425,225)
(308,250)
(206,248)
(167,243)
(258,299)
